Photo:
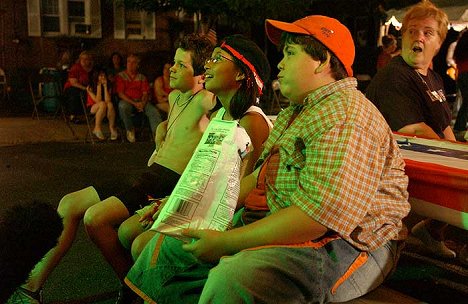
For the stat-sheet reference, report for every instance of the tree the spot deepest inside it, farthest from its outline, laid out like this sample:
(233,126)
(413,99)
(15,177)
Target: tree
(238,14)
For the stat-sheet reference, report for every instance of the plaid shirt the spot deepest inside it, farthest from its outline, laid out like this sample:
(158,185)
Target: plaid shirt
(339,163)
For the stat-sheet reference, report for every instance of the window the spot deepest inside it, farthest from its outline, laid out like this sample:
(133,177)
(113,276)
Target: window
(131,24)
(80,18)
(50,16)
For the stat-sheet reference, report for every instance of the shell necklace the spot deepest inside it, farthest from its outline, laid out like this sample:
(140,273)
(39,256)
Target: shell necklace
(183,105)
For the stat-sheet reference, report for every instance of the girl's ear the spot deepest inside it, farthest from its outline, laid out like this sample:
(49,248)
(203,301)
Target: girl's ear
(240,76)
(323,65)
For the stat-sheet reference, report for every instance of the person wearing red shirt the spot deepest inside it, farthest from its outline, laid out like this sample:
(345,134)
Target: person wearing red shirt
(76,84)
(133,92)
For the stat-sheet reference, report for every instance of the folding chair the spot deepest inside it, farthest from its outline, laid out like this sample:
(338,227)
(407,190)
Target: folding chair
(43,86)
(46,91)
(89,120)
(4,85)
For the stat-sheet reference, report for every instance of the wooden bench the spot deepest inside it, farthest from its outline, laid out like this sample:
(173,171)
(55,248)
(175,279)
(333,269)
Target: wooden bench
(385,295)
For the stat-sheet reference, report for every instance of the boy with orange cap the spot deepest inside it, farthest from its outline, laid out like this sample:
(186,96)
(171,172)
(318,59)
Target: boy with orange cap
(333,179)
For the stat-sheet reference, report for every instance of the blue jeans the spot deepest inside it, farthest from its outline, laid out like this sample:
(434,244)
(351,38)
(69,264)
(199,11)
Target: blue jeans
(314,273)
(126,111)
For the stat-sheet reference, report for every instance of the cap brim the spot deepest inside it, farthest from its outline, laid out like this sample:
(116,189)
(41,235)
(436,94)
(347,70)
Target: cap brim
(275,28)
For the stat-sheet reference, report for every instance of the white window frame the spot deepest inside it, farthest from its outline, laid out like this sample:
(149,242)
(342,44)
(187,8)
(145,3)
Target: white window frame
(148,25)
(92,20)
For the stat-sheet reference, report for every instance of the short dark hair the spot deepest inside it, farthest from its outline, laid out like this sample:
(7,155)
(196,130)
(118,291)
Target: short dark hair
(200,47)
(316,50)
(27,233)
(388,40)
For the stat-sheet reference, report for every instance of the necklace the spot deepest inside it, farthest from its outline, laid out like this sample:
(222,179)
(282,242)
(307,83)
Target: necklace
(183,105)
(433,94)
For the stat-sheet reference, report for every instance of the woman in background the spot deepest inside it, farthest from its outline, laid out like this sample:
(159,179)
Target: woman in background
(100,104)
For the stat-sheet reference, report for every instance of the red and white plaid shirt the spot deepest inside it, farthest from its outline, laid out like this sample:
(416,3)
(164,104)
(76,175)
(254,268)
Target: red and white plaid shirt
(340,164)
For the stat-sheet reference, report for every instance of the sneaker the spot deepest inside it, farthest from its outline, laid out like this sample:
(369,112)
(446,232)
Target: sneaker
(436,247)
(25,296)
(127,296)
(131,136)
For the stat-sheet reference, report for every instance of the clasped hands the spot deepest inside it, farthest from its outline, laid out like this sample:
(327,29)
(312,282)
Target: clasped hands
(139,105)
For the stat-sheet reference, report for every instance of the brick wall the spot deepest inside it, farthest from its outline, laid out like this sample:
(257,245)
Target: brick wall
(21,54)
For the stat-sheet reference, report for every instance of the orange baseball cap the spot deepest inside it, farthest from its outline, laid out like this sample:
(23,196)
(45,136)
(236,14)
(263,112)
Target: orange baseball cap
(329,31)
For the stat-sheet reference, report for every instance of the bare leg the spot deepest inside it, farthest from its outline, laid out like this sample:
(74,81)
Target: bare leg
(111,116)
(100,113)
(101,221)
(72,207)
(140,242)
(129,230)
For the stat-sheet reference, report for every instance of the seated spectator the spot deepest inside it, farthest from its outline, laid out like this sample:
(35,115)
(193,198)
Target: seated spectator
(238,95)
(411,97)
(65,61)
(388,51)
(162,89)
(27,232)
(63,65)
(328,215)
(114,67)
(172,153)
(100,104)
(76,84)
(133,91)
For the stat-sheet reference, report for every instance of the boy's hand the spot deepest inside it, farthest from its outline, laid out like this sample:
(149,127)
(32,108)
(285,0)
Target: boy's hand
(208,245)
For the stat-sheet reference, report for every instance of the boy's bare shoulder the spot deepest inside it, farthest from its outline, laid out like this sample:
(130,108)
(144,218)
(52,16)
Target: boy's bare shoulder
(173,95)
(206,99)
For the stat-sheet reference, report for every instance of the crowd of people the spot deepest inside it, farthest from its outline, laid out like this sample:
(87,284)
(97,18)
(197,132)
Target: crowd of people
(116,92)
(325,184)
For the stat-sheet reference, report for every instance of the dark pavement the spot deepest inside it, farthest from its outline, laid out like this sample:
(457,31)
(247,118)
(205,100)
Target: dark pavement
(46,171)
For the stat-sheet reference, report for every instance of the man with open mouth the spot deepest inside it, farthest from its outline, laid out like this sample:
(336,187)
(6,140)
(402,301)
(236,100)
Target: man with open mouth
(411,96)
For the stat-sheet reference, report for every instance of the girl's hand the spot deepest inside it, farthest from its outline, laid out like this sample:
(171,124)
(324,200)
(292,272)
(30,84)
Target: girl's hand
(147,215)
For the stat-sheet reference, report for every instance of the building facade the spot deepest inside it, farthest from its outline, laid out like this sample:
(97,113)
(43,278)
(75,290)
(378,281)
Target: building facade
(35,34)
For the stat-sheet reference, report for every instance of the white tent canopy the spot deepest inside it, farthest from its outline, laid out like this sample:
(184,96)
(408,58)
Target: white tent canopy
(456,10)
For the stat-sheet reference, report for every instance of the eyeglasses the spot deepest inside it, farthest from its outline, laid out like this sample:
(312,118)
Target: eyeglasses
(217,58)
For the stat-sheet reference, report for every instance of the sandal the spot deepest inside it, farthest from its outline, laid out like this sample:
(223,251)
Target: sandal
(99,135)
(114,135)
(26,296)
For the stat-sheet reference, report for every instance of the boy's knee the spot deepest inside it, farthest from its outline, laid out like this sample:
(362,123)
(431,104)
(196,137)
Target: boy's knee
(66,205)
(92,217)
(69,206)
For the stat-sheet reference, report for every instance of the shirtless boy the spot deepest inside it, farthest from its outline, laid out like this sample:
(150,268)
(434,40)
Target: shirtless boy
(189,106)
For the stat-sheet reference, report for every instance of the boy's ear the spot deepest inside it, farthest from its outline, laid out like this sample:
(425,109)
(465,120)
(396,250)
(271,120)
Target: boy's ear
(240,76)
(323,64)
